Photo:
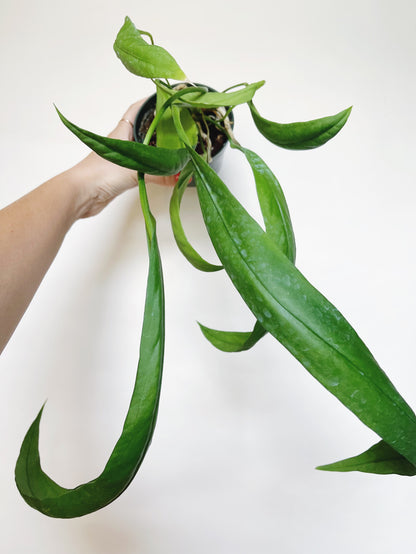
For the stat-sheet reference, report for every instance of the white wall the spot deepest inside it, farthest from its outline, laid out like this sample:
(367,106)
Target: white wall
(231,467)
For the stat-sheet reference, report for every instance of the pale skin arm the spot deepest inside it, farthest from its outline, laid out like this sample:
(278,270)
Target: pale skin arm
(32,228)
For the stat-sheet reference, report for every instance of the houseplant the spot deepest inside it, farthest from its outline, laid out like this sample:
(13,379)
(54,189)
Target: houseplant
(260,263)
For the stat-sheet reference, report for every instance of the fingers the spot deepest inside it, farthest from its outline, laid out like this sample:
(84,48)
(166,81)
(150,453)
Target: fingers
(168,181)
(131,112)
(124,129)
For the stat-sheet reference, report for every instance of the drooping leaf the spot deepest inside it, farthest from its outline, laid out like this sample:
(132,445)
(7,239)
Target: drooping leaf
(133,155)
(178,232)
(233,341)
(40,491)
(303,135)
(380,458)
(272,203)
(279,228)
(300,317)
(142,58)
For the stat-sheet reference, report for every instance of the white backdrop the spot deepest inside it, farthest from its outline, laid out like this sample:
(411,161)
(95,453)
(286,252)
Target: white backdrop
(231,467)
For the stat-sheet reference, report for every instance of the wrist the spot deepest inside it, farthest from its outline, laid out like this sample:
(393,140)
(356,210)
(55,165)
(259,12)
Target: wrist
(81,180)
(97,182)
(85,183)
(69,193)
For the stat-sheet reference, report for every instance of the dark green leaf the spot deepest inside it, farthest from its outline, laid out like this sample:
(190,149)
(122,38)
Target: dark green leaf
(178,232)
(143,59)
(233,341)
(273,204)
(278,227)
(302,135)
(380,458)
(48,497)
(303,320)
(134,155)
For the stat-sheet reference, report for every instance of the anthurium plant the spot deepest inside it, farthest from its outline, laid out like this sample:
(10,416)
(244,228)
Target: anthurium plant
(259,260)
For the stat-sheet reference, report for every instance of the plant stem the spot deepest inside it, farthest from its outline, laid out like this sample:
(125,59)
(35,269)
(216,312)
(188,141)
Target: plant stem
(236,86)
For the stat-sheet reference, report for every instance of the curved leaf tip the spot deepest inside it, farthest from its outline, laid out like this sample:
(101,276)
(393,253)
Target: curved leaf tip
(44,494)
(233,341)
(381,459)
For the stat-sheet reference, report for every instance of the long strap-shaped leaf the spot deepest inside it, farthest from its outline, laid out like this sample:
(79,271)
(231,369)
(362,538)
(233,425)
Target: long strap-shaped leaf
(279,228)
(134,155)
(302,135)
(303,320)
(182,241)
(272,203)
(39,490)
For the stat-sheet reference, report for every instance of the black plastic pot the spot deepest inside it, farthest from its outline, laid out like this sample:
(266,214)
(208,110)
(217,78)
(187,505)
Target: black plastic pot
(146,114)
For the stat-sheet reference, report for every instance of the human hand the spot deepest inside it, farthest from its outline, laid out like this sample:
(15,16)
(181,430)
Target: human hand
(100,181)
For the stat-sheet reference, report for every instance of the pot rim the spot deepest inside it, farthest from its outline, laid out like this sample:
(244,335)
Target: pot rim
(150,103)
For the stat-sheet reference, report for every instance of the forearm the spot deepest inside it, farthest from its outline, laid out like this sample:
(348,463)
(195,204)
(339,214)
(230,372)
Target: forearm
(33,228)
(31,232)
